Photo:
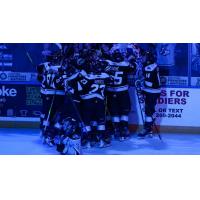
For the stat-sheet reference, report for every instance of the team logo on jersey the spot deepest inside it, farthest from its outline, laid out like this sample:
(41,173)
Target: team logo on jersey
(84,81)
(8,92)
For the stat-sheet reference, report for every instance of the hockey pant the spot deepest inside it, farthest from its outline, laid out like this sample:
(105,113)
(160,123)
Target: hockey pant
(93,113)
(118,105)
(150,103)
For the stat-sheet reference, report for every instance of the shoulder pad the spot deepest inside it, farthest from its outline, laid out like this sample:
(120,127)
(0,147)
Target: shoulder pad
(83,72)
(46,66)
(55,67)
(104,75)
(73,76)
(123,64)
(151,67)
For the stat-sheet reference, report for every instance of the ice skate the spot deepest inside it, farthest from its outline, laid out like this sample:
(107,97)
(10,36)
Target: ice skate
(125,135)
(121,138)
(94,140)
(104,144)
(86,144)
(49,141)
(116,134)
(145,134)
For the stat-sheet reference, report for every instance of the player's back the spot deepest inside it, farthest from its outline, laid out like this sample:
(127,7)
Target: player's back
(119,71)
(50,76)
(92,85)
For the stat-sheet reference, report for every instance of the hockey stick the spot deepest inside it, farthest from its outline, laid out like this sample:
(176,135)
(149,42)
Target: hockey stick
(28,56)
(54,95)
(140,97)
(49,113)
(156,128)
(76,111)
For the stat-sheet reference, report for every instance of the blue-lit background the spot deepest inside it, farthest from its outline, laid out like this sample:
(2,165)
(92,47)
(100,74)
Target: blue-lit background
(179,67)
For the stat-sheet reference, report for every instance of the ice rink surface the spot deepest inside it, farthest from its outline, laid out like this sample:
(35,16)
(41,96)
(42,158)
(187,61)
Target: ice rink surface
(27,142)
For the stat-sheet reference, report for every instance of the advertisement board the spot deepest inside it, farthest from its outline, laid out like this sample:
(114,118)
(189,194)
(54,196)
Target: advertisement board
(174,81)
(175,107)
(20,100)
(17,76)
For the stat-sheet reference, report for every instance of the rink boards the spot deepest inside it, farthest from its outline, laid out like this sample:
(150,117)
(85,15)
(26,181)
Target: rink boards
(177,107)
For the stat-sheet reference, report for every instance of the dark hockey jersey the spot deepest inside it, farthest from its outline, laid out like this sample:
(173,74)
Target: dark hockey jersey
(48,75)
(151,78)
(93,85)
(119,71)
(72,86)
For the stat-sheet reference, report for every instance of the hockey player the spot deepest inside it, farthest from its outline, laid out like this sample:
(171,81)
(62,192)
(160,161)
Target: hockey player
(151,90)
(53,97)
(91,88)
(118,100)
(72,97)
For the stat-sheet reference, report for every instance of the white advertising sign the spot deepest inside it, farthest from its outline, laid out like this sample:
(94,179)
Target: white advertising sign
(176,107)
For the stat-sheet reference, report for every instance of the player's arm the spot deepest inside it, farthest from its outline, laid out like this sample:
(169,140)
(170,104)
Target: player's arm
(40,72)
(109,80)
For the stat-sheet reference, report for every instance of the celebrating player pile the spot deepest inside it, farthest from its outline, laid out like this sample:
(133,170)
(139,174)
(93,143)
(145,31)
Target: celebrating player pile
(84,88)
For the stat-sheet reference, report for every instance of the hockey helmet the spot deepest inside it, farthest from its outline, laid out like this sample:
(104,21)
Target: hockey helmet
(150,57)
(54,54)
(70,126)
(117,55)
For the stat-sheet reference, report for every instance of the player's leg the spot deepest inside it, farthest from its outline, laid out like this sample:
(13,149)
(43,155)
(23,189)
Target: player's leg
(125,106)
(58,113)
(87,115)
(54,117)
(103,135)
(113,107)
(48,102)
(150,103)
(94,136)
(109,124)
(42,116)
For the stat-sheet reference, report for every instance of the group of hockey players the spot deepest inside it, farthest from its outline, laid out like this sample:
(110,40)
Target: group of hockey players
(85,93)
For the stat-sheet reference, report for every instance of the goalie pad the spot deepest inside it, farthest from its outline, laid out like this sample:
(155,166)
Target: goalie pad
(72,146)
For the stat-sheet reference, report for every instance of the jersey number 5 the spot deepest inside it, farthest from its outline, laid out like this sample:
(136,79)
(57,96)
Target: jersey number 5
(118,78)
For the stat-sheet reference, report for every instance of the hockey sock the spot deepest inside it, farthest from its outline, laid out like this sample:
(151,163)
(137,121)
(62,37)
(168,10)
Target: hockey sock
(124,131)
